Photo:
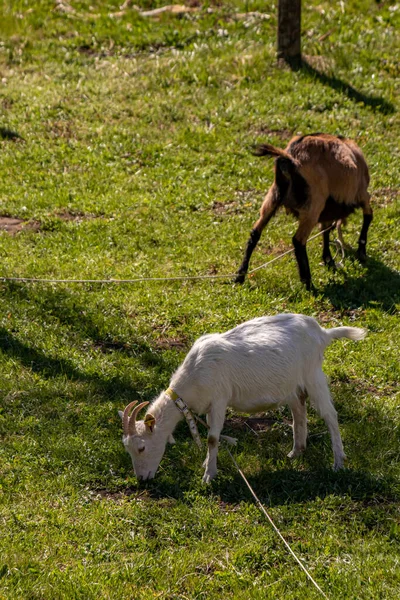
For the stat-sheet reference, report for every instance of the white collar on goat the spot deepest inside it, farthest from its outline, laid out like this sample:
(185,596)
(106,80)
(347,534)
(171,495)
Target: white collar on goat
(183,408)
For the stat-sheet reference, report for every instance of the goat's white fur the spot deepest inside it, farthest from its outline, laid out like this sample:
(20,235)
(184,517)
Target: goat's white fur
(261,364)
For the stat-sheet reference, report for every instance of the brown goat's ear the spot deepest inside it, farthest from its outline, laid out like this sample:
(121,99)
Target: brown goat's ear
(149,421)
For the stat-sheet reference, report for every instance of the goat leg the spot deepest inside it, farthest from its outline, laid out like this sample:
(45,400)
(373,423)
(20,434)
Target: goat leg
(326,252)
(362,241)
(251,244)
(302,262)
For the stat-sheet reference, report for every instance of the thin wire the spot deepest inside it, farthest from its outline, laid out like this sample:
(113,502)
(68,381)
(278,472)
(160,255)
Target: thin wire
(291,250)
(146,279)
(261,506)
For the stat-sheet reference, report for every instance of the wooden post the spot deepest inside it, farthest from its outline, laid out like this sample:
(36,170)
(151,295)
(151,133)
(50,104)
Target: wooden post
(289,31)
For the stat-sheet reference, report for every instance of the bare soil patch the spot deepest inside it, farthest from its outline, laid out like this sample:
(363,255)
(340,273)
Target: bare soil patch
(222,208)
(277,249)
(77,217)
(13,225)
(259,424)
(167,343)
(61,129)
(283,134)
(384,196)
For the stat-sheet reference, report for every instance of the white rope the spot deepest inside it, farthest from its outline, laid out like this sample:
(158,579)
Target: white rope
(232,441)
(289,251)
(146,279)
(263,510)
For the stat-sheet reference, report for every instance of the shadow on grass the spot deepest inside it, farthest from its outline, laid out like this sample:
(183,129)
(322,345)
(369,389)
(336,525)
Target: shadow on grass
(49,367)
(377,286)
(367,429)
(69,311)
(274,488)
(9,134)
(376,103)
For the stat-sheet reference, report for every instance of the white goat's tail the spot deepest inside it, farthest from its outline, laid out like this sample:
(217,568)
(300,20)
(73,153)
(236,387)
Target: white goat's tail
(353,333)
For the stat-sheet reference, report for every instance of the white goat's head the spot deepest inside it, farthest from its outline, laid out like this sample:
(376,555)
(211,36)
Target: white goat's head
(143,441)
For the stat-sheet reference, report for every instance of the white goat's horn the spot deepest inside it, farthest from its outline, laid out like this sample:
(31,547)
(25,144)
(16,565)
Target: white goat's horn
(132,420)
(125,418)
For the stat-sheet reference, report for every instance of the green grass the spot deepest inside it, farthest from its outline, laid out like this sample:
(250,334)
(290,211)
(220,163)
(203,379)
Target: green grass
(133,160)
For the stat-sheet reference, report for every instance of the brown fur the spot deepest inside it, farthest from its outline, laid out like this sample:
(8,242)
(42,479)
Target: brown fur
(320,178)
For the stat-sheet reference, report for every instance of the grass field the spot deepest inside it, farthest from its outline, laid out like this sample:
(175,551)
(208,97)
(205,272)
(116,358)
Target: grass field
(124,152)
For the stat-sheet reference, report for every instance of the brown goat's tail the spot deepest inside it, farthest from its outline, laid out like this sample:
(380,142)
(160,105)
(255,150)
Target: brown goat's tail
(269,150)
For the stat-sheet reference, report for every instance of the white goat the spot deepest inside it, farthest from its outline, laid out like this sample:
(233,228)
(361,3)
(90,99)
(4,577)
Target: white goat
(261,364)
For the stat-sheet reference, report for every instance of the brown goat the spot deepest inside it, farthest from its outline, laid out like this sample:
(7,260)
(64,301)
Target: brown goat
(319,178)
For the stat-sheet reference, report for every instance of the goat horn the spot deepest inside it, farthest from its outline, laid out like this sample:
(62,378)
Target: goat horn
(125,417)
(132,420)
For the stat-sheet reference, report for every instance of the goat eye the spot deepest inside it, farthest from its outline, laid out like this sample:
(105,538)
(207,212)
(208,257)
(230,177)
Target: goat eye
(140,450)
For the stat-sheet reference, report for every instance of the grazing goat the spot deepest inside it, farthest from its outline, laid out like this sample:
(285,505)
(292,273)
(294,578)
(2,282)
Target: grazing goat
(261,364)
(319,178)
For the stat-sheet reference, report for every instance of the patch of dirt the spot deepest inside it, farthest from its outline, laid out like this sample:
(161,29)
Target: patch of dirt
(60,129)
(7,103)
(77,217)
(321,63)
(283,134)
(251,423)
(227,507)
(222,208)
(212,270)
(335,317)
(115,496)
(13,225)
(166,343)
(243,200)
(278,249)
(384,196)
(108,346)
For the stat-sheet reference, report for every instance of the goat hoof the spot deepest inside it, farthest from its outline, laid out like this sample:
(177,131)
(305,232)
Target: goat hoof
(362,257)
(240,277)
(339,463)
(295,452)
(329,262)
(207,477)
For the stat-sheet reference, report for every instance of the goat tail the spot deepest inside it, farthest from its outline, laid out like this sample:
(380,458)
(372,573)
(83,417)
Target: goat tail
(353,333)
(269,150)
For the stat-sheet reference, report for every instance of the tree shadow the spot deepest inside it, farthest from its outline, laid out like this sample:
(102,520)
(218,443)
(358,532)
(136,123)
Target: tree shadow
(70,312)
(375,103)
(49,367)
(378,286)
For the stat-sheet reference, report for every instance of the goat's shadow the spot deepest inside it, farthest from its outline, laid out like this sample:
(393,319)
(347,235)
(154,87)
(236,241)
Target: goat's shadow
(375,103)
(377,285)
(310,476)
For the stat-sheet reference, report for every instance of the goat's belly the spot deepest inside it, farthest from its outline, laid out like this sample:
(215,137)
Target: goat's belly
(256,405)
(335,210)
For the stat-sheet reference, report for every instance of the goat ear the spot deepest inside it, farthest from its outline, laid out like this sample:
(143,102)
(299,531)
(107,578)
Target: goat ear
(149,421)
(121,414)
